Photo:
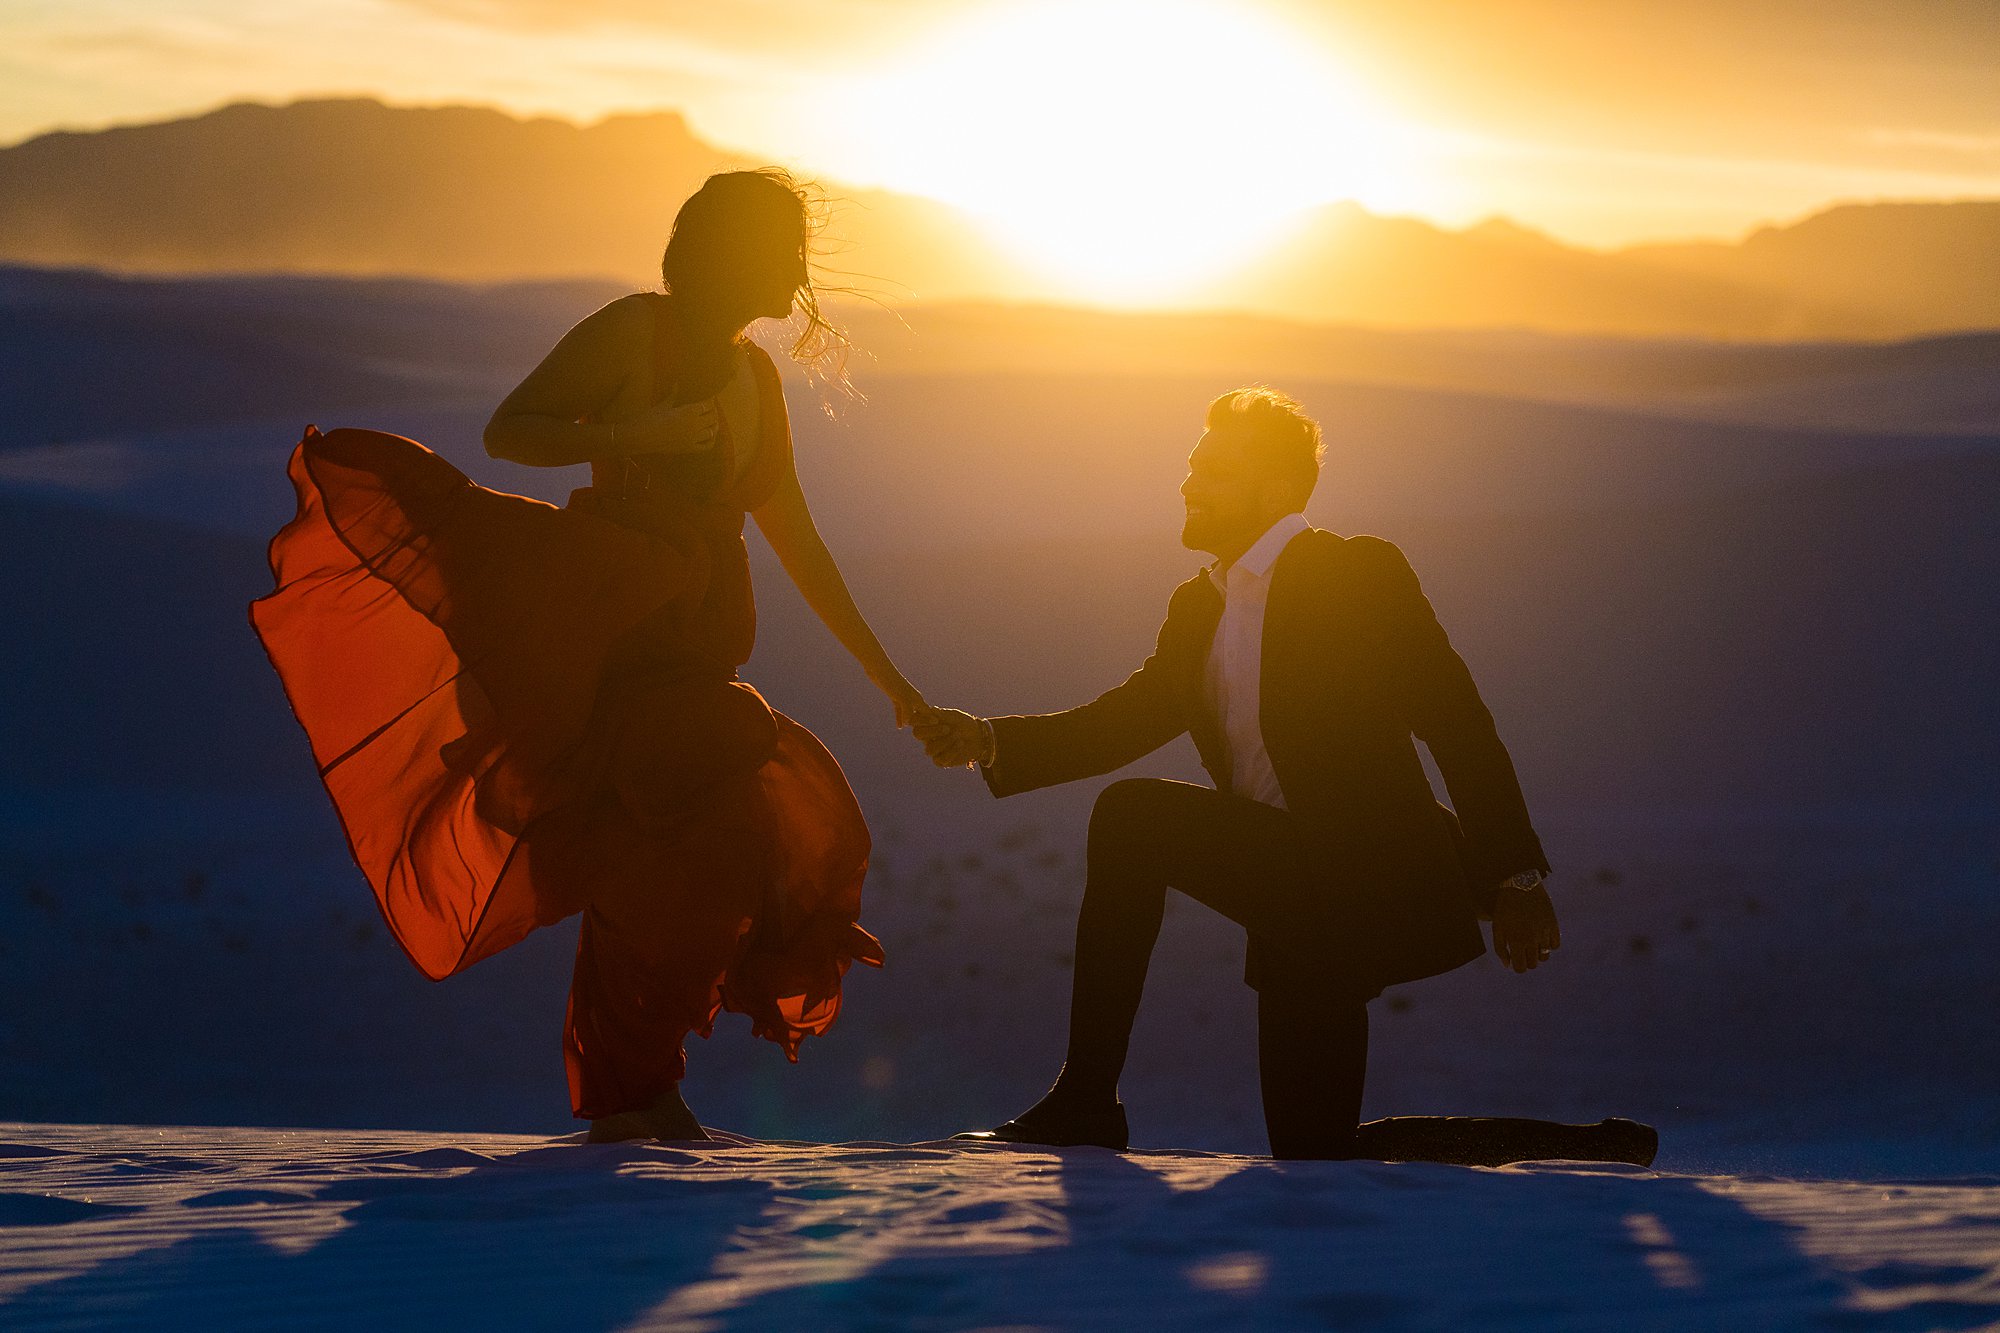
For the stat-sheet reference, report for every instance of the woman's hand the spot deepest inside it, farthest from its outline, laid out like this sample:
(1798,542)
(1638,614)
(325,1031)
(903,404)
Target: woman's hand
(688,429)
(908,702)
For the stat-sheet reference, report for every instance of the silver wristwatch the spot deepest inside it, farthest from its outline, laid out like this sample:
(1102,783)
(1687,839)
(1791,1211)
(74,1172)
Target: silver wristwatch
(1527,881)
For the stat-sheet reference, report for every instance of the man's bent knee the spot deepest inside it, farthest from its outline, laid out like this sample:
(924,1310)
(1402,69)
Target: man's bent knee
(1128,805)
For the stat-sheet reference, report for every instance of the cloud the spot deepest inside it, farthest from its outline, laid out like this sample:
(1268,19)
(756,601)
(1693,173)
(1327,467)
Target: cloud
(144,43)
(1971,145)
(770,27)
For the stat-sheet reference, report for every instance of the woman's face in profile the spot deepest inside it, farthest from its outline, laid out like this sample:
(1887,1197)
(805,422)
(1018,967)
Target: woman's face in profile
(785,274)
(769,268)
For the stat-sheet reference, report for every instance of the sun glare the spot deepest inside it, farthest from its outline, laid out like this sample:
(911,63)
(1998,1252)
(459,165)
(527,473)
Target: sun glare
(1128,148)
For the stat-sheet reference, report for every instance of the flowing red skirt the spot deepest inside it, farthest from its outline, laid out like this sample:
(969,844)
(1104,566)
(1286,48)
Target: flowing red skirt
(497,697)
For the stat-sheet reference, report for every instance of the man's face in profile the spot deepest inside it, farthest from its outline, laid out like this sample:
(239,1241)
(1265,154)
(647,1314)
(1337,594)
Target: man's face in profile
(1230,496)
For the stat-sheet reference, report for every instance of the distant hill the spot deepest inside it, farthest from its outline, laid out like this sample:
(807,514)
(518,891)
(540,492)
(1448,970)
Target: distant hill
(1940,259)
(1857,271)
(354,187)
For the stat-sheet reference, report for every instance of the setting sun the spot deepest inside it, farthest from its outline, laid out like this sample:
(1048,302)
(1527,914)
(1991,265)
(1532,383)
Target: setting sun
(1129,148)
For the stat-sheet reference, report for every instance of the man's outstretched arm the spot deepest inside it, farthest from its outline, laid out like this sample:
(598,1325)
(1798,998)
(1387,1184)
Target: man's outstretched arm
(1124,724)
(1017,754)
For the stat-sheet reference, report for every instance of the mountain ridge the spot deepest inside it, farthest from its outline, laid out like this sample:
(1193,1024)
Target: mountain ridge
(354,187)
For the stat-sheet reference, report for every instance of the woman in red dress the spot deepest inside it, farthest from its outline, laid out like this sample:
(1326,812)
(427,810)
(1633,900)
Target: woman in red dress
(523,711)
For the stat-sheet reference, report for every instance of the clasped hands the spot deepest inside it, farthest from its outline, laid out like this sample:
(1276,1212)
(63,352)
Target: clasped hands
(952,739)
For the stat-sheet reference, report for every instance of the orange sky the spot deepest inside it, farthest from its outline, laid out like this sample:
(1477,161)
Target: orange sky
(1601,121)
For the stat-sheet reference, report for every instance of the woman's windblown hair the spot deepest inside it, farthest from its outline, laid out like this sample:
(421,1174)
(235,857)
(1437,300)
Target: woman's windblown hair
(739,215)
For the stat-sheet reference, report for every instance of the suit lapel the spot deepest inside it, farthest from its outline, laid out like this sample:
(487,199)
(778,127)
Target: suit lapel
(1293,613)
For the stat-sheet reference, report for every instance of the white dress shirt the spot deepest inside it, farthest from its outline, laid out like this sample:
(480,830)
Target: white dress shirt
(1234,679)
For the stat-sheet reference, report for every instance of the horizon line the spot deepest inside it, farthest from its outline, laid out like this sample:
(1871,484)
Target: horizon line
(522,116)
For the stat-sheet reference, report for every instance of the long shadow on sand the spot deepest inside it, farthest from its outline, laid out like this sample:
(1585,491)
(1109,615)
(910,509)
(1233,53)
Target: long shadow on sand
(1349,1245)
(928,1236)
(554,1237)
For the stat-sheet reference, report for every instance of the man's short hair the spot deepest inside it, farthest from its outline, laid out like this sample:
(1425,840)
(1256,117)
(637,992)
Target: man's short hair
(1276,428)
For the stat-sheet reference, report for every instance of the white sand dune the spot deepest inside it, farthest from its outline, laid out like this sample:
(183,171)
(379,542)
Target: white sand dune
(122,1226)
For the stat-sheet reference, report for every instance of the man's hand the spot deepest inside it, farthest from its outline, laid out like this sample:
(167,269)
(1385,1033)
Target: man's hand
(1524,928)
(951,738)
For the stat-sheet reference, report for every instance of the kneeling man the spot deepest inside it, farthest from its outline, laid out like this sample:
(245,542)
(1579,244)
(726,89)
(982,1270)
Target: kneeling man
(1306,665)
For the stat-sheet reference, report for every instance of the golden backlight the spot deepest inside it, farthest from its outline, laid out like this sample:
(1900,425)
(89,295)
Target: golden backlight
(1127,149)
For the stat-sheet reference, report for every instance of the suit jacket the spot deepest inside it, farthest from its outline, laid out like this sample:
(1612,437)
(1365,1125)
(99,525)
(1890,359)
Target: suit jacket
(1356,668)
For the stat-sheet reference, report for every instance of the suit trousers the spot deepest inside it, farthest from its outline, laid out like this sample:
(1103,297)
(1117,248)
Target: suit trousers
(1243,859)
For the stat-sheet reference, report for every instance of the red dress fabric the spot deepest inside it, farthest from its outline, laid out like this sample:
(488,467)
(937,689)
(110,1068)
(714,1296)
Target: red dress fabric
(523,711)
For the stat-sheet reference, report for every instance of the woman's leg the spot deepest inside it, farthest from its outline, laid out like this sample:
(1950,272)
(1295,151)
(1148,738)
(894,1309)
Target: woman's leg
(667,1118)
(624,1035)
(662,927)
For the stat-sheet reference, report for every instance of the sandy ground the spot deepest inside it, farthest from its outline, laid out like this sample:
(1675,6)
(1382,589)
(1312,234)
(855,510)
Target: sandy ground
(121,1226)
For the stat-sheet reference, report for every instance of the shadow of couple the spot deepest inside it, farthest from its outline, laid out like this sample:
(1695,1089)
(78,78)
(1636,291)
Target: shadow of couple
(795,1236)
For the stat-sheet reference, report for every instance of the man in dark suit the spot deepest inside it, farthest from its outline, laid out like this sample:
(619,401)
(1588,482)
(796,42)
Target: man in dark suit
(1305,665)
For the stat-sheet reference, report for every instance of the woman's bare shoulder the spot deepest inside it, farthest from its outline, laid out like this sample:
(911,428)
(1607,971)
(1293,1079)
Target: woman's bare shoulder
(590,365)
(627,319)
(617,336)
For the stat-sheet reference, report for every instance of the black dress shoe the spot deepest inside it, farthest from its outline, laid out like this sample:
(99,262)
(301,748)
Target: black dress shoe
(1060,1129)
(1501,1140)
(1625,1140)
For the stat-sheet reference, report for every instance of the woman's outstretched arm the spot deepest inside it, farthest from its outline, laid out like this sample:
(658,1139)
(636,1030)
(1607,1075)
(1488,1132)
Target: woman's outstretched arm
(537,423)
(787,523)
